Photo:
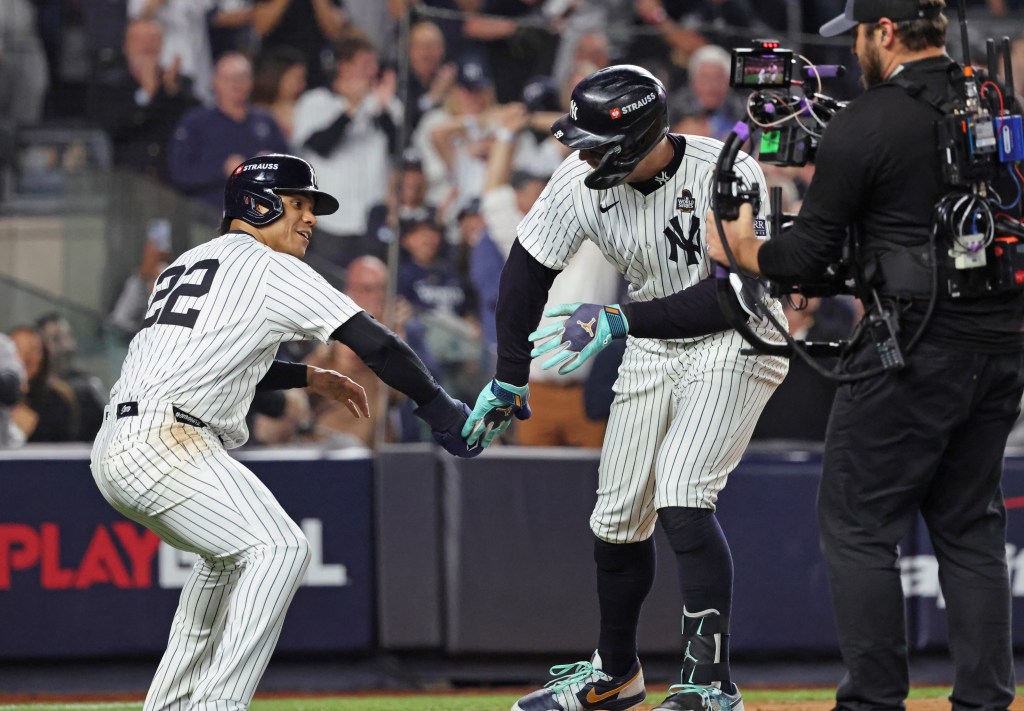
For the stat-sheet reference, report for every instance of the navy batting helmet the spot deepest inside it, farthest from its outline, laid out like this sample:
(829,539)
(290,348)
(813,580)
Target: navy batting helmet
(261,180)
(619,110)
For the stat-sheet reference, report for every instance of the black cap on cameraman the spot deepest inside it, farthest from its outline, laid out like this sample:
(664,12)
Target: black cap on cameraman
(858,11)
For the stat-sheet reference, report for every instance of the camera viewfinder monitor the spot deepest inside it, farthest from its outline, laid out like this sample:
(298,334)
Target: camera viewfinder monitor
(761,68)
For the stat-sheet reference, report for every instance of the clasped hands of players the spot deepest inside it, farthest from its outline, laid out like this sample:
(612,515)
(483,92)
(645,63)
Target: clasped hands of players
(444,414)
(587,330)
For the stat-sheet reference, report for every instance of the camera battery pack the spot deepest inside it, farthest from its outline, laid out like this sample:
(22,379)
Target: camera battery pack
(1007,263)
(1009,138)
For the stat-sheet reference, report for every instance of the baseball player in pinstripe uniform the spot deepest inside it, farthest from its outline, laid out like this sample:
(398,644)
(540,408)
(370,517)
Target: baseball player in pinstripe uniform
(686,400)
(214,323)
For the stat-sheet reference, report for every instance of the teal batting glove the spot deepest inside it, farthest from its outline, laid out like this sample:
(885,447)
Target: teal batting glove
(589,328)
(495,406)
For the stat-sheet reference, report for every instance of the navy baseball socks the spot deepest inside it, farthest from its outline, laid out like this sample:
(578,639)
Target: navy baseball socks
(584,686)
(704,681)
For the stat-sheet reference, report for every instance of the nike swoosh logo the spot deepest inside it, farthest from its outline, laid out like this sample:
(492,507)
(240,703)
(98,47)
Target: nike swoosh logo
(593,698)
(602,208)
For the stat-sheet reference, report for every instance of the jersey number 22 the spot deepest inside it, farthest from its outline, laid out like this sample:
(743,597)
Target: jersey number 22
(164,312)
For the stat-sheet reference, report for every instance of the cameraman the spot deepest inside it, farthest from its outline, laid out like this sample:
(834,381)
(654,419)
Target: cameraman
(928,437)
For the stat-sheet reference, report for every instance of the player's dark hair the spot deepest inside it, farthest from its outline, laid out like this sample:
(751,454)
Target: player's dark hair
(923,33)
(351,44)
(225,226)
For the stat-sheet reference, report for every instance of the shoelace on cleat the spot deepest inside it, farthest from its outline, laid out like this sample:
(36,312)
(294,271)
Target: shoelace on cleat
(568,674)
(703,691)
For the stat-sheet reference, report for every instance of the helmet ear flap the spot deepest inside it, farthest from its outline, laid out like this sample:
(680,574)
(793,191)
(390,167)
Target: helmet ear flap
(608,172)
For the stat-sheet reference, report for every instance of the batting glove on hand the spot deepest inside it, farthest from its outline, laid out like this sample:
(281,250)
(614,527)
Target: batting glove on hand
(589,328)
(446,416)
(495,406)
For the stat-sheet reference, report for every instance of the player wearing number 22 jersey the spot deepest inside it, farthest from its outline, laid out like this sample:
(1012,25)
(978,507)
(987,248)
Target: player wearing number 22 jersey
(214,323)
(686,399)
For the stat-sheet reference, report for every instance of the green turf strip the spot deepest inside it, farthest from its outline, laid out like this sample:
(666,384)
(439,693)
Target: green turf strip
(458,702)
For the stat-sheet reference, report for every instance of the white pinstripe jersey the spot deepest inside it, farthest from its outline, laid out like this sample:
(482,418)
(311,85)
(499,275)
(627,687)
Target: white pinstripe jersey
(657,241)
(213,325)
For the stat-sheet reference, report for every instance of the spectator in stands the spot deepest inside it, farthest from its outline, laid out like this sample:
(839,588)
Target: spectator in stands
(12,389)
(404,204)
(347,132)
(23,70)
(426,279)
(537,151)
(443,302)
(230,27)
(310,26)
(459,139)
(430,79)
(209,143)
(138,101)
(186,45)
(591,47)
(514,51)
(89,392)
(48,412)
(707,92)
(684,26)
(367,285)
(130,309)
(279,82)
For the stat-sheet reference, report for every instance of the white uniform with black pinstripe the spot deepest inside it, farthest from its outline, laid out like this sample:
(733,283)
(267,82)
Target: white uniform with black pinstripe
(215,320)
(684,410)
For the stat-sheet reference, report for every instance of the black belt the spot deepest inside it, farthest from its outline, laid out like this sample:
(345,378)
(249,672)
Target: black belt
(131,409)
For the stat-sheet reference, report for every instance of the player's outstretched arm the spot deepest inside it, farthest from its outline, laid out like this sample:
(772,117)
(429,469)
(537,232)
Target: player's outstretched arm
(399,367)
(521,296)
(589,328)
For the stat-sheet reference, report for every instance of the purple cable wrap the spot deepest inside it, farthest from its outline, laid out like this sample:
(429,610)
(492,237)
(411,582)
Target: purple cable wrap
(721,272)
(769,108)
(742,130)
(805,107)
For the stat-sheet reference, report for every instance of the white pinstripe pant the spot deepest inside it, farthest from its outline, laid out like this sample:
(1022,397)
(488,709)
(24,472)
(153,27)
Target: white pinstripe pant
(682,417)
(178,481)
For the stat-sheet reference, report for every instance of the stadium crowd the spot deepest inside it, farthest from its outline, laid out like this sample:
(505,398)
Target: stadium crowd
(428,120)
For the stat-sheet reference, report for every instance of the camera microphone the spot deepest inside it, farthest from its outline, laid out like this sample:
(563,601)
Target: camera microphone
(825,71)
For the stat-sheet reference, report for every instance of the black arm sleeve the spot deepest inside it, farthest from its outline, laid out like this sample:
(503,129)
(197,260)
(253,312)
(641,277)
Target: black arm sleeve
(686,314)
(384,122)
(283,375)
(521,297)
(388,356)
(326,140)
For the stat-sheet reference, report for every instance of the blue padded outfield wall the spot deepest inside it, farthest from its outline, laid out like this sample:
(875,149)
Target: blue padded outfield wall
(417,551)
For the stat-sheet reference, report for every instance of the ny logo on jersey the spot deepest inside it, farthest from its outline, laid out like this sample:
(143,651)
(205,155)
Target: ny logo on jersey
(687,242)
(573,109)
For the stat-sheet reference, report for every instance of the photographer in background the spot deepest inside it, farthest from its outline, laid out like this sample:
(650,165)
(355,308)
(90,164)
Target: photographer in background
(930,436)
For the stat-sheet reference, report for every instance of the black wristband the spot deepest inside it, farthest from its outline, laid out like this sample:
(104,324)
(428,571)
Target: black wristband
(283,375)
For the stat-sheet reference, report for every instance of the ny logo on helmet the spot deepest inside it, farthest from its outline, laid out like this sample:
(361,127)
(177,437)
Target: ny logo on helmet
(573,109)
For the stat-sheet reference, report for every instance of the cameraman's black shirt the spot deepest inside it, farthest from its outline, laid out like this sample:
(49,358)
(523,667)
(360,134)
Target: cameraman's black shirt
(877,168)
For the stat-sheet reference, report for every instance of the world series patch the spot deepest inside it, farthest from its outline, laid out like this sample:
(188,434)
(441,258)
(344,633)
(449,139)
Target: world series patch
(760,227)
(685,202)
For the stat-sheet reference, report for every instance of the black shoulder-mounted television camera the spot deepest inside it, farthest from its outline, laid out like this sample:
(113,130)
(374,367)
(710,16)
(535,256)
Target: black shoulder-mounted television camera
(976,245)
